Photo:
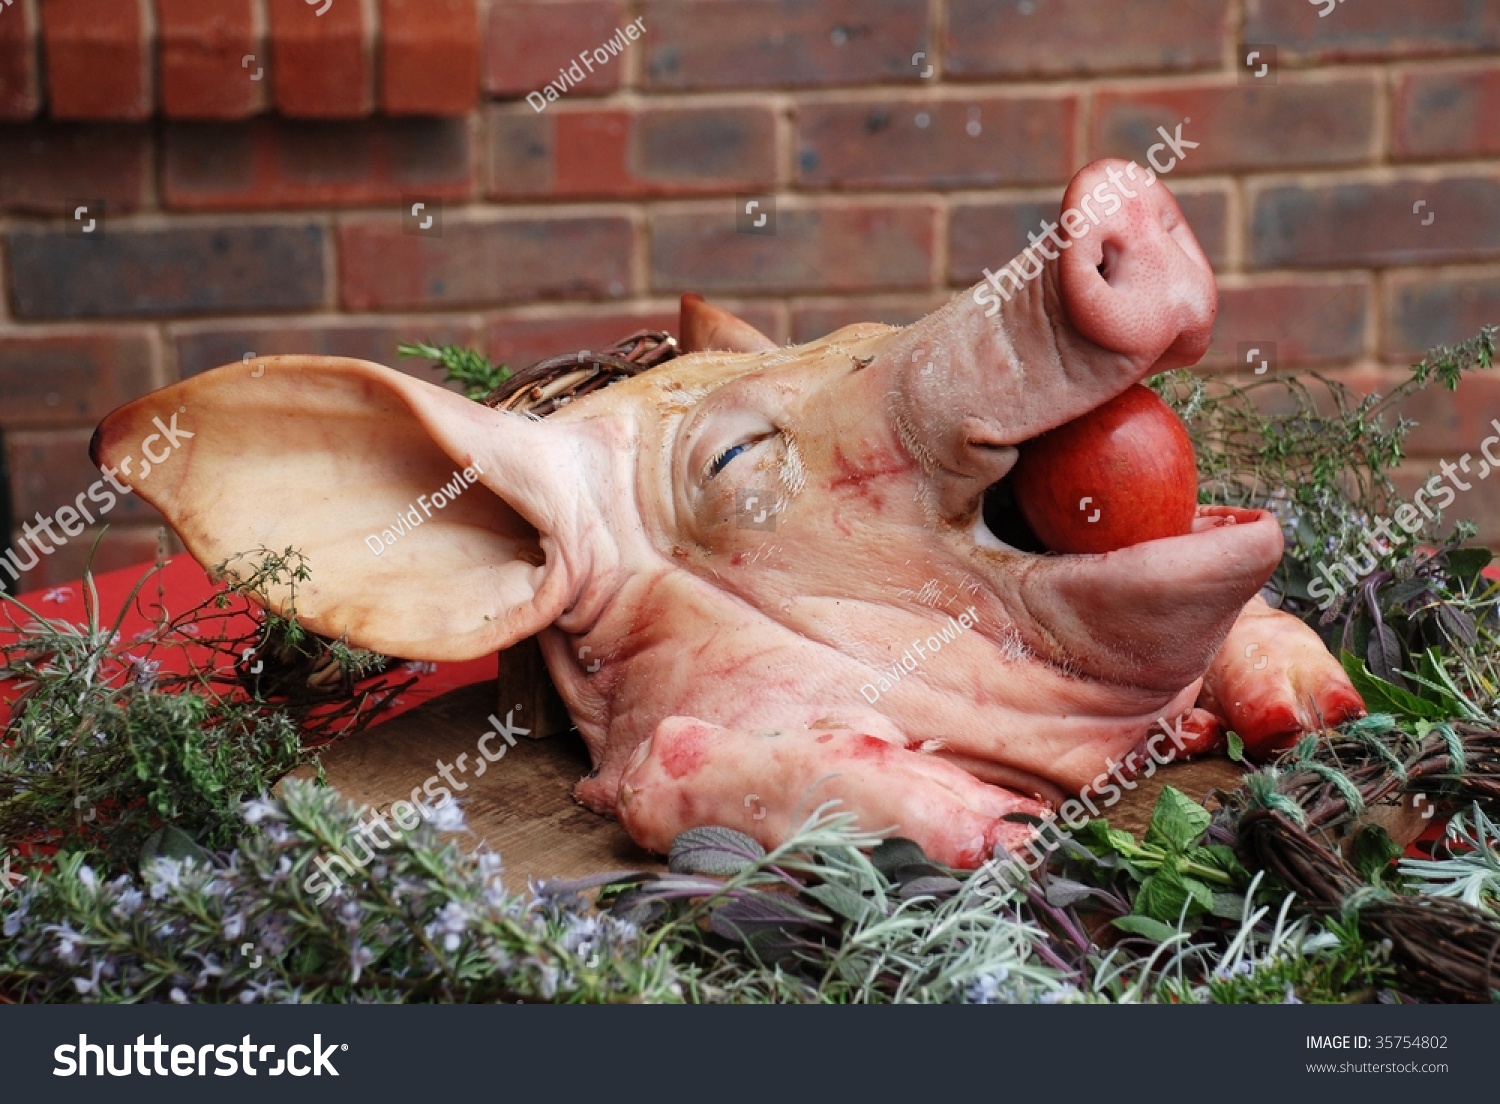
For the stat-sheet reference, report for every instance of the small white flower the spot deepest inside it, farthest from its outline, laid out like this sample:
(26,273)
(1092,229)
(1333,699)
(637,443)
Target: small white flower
(67,943)
(359,958)
(448,817)
(259,809)
(58,594)
(90,984)
(128,904)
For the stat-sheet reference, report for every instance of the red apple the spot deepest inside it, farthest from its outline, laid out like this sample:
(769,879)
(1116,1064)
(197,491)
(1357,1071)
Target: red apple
(1119,475)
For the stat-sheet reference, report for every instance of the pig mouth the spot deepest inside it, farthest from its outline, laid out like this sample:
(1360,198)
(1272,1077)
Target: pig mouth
(1150,615)
(1001,526)
(1002,518)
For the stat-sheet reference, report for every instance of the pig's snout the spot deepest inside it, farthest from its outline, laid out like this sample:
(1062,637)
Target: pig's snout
(1134,279)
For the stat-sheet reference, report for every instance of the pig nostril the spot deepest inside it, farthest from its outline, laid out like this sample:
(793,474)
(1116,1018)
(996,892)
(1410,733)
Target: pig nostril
(1109,265)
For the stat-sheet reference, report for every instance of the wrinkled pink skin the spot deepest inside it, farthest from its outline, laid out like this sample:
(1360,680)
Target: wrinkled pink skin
(715,668)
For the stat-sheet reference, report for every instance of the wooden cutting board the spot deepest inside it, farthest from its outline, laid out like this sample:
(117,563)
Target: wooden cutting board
(523,808)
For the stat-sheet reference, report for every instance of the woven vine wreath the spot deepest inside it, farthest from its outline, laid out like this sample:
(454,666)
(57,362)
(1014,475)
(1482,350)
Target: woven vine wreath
(1293,819)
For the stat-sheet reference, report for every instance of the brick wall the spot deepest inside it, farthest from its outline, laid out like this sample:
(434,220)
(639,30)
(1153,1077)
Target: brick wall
(1349,195)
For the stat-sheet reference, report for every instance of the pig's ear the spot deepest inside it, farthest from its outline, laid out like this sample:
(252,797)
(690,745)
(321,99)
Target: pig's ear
(434,527)
(702,327)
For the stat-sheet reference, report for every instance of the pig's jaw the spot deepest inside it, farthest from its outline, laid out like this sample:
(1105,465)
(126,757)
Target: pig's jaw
(1150,615)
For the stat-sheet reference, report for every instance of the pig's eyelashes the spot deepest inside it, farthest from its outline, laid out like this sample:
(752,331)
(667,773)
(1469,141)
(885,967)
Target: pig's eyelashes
(721,461)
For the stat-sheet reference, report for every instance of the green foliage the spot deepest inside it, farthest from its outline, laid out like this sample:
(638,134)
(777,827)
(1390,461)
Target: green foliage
(1312,452)
(1467,865)
(108,741)
(1173,875)
(838,916)
(111,758)
(423,921)
(468,367)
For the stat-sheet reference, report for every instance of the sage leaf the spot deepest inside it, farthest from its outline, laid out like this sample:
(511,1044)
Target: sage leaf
(714,850)
(892,854)
(1154,930)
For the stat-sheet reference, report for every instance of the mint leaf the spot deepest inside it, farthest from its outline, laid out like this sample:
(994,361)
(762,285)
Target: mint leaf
(1166,894)
(1218,856)
(1236,747)
(1176,821)
(1381,697)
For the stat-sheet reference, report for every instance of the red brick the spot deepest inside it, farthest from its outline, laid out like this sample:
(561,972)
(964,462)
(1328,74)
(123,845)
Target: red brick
(200,346)
(782,43)
(1423,310)
(481,261)
(1310,322)
(203,47)
(1447,423)
(916,142)
(519,339)
(812,320)
(985,233)
(1358,29)
(284,163)
(1356,222)
(51,379)
(20,83)
(429,56)
(1067,37)
(190,268)
(526,43)
(1447,114)
(121,546)
(1480,503)
(51,468)
(828,247)
(47,164)
(1242,128)
(1206,207)
(98,59)
(567,153)
(321,65)
(1451,423)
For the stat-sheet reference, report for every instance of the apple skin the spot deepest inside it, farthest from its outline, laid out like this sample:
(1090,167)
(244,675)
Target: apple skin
(1131,458)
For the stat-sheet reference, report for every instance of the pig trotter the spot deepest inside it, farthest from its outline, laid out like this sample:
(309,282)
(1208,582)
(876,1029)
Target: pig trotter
(766,784)
(1273,680)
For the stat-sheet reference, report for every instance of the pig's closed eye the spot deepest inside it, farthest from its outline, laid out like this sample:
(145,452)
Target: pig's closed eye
(721,461)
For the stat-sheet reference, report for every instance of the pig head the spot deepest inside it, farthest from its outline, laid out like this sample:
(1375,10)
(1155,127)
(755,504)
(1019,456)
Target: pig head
(765,578)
